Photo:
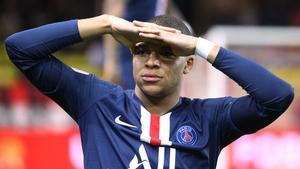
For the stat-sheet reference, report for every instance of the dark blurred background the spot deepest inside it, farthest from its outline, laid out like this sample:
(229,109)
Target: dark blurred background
(35,133)
(16,15)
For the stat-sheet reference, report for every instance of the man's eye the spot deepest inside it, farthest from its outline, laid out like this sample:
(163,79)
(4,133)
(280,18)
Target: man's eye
(140,51)
(167,54)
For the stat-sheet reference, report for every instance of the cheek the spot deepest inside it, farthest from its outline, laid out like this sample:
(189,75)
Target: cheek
(177,68)
(137,65)
(175,73)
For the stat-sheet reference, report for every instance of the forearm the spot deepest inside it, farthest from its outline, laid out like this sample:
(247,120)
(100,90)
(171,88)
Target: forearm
(42,41)
(94,27)
(267,89)
(26,47)
(268,98)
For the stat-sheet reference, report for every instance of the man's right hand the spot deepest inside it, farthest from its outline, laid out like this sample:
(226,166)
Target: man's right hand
(123,31)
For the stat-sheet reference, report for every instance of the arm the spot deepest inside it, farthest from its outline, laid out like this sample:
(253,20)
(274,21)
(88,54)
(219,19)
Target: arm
(121,30)
(31,51)
(268,98)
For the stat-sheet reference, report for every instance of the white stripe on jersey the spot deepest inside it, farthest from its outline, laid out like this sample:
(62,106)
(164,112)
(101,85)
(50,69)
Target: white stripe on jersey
(172,158)
(164,129)
(145,125)
(164,136)
(161,157)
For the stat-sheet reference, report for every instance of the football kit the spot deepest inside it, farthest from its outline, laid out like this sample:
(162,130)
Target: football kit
(117,131)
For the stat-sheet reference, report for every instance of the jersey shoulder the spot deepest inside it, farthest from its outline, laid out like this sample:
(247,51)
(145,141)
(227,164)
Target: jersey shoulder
(210,108)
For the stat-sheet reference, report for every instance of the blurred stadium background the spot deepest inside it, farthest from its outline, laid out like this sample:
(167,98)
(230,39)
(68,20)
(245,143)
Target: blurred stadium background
(36,134)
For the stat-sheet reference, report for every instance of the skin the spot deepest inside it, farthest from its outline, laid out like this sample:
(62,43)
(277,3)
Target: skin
(161,56)
(158,73)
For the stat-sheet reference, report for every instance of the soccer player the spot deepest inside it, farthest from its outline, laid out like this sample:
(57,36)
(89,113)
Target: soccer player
(118,65)
(151,126)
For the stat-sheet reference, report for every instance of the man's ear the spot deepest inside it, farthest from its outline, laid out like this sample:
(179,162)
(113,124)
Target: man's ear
(188,64)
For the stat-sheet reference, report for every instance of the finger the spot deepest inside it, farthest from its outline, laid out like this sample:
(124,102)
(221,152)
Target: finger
(141,24)
(150,36)
(147,24)
(178,31)
(148,30)
(146,27)
(168,29)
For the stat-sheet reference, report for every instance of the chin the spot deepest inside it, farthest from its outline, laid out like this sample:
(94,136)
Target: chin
(154,91)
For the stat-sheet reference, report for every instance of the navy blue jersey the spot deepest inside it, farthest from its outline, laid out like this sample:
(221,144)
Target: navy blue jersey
(117,131)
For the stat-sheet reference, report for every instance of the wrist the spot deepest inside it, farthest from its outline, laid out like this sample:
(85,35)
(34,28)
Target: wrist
(204,48)
(94,27)
(193,44)
(105,22)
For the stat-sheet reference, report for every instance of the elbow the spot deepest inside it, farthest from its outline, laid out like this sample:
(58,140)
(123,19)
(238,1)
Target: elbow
(12,45)
(15,47)
(282,101)
(12,41)
(289,96)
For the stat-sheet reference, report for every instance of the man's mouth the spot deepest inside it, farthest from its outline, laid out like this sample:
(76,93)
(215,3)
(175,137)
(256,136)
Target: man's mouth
(151,78)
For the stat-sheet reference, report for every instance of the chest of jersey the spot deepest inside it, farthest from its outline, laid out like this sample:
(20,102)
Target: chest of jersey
(125,135)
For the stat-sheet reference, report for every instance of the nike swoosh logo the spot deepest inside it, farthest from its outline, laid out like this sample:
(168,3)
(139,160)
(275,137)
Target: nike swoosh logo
(118,121)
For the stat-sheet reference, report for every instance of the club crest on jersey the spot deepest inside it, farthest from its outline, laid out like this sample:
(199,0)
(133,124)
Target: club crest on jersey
(186,135)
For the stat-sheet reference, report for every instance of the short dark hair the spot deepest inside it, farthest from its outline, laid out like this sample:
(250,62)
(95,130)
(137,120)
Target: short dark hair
(171,21)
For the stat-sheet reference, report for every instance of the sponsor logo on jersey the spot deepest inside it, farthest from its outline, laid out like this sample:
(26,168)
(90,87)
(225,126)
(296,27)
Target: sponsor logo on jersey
(186,135)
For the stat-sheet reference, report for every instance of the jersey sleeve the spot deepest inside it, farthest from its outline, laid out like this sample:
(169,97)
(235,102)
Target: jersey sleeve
(31,51)
(268,96)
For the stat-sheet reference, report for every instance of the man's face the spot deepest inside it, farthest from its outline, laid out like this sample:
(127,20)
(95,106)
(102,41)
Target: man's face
(156,70)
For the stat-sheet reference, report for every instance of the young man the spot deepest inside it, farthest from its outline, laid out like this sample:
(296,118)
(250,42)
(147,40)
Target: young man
(150,126)
(117,66)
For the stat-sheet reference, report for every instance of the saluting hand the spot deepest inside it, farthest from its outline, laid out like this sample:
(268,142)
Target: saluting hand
(181,44)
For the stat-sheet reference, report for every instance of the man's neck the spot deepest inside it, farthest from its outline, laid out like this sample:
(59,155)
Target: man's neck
(158,105)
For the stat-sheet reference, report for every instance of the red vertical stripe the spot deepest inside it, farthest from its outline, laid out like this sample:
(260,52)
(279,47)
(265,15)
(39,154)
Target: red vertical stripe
(154,130)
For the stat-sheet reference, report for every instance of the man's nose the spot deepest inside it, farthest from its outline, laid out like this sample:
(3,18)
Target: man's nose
(153,60)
